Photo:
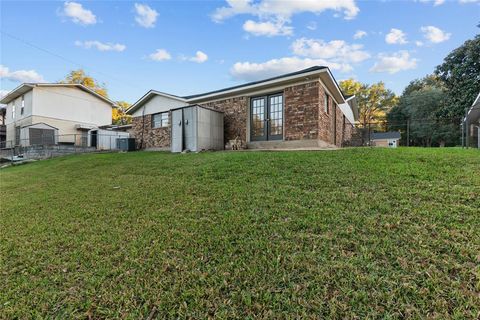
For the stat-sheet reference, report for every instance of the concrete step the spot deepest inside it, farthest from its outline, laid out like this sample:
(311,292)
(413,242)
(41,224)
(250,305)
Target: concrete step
(310,144)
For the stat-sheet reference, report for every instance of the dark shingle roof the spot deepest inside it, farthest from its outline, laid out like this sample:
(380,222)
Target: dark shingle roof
(385,135)
(258,82)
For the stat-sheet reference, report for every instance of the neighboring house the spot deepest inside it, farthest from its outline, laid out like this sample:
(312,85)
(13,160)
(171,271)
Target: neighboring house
(299,109)
(385,139)
(472,122)
(44,113)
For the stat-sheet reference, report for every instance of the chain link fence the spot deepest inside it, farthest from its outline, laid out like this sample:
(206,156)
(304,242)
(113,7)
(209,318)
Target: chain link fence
(49,146)
(420,133)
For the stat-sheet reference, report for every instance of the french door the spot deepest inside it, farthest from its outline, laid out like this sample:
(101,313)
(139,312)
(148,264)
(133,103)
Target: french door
(266,118)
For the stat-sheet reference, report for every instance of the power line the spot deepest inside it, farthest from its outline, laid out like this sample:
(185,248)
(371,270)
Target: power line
(82,66)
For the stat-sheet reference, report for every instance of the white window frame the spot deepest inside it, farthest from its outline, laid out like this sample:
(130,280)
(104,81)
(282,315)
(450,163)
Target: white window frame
(163,120)
(22,109)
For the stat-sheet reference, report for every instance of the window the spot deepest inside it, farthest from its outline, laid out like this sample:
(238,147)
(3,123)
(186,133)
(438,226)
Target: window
(160,120)
(326,102)
(13,110)
(23,106)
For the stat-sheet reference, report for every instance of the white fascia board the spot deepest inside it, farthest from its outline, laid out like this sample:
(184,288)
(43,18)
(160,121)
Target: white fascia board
(267,83)
(148,95)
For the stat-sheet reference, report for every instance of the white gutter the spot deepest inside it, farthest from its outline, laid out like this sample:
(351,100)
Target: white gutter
(267,83)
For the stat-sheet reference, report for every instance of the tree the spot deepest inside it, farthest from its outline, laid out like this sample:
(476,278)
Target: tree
(79,76)
(421,105)
(460,72)
(373,103)
(119,114)
(373,100)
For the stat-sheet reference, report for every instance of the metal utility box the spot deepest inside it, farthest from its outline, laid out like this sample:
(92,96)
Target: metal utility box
(126,144)
(196,128)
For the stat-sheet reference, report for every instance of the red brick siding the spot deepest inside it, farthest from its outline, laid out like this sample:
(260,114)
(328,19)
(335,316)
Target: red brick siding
(339,127)
(152,137)
(324,119)
(301,111)
(304,118)
(235,116)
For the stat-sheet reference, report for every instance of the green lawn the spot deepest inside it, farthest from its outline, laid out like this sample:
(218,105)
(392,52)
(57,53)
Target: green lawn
(355,233)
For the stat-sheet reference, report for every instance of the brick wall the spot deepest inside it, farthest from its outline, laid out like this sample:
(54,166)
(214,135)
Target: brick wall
(301,111)
(152,137)
(339,127)
(235,116)
(304,118)
(324,119)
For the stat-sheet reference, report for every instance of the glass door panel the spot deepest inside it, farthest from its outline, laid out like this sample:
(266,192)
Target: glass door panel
(258,117)
(275,104)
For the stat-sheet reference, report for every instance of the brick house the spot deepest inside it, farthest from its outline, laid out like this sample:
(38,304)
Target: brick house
(300,109)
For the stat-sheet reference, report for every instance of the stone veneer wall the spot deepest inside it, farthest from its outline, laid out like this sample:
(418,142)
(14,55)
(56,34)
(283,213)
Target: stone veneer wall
(235,116)
(152,137)
(301,103)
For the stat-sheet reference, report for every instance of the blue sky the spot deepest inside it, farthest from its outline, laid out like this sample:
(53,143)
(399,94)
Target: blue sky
(187,47)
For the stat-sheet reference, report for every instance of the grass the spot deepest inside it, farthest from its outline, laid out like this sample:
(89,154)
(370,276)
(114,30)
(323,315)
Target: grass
(348,234)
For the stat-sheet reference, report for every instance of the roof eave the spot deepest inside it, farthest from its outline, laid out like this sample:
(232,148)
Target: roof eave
(275,81)
(15,92)
(147,96)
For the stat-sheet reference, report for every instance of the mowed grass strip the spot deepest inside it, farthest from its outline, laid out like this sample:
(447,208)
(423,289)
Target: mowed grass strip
(355,233)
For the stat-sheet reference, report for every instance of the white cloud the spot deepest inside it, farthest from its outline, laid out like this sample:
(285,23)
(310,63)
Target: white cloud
(100,46)
(284,9)
(20,75)
(200,57)
(434,34)
(249,71)
(274,15)
(469,1)
(78,14)
(435,2)
(3,93)
(267,28)
(337,55)
(419,43)
(394,63)
(146,16)
(359,34)
(160,55)
(337,50)
(396,36)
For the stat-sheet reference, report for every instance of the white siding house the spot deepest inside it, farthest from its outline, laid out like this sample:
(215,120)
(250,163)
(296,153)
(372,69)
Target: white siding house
(67,110)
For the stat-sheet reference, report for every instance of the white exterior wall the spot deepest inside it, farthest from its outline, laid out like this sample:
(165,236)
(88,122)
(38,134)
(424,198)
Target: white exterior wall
(59,106)
(11,120)
(71,104)
(158,104)
(27,110)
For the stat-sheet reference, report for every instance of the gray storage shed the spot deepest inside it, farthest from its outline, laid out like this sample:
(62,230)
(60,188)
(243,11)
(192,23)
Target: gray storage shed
(196,128)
